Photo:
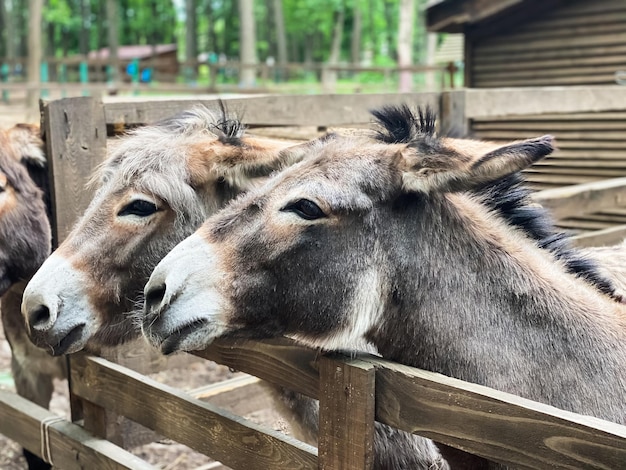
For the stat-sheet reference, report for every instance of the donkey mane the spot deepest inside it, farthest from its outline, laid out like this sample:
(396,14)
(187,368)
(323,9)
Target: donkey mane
(507,197)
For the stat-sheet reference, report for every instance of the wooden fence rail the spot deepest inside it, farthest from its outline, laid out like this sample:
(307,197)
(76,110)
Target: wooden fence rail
(492,424)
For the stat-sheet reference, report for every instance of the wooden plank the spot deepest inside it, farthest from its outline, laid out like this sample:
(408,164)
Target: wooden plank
(503,102)
(592,197)
(605,237)
(565,124)
(516,66)
(274,110)
(71,447)
(561,135)
(604,79)
(452,120)
(501,46)
(280,361)
(75,135)
(346,434)
(242,395)
(224,436)
(492,424)
(527,56)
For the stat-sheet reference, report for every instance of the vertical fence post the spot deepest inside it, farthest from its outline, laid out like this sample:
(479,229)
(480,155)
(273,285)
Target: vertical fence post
(4,77)
(63,79)
(83,74)
(44,79)
(347,408)
(452,115)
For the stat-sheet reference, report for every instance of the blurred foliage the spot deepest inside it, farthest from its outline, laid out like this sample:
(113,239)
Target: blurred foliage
(308,26)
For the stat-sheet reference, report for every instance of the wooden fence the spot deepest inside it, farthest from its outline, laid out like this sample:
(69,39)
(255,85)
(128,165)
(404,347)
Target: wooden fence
(489,423)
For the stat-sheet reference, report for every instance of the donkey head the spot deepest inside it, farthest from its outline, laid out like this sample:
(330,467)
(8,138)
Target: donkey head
(24,228)
(309,254)
(157,187)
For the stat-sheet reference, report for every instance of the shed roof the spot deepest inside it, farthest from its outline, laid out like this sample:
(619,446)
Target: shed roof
(140,51)
(452,16)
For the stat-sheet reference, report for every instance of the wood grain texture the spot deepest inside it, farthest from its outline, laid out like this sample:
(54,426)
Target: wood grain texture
(71,446)
(274,110)
(492,424)
(346,434)
(590,197)
(228,438)
(603,237)
(280,361)
(75,135)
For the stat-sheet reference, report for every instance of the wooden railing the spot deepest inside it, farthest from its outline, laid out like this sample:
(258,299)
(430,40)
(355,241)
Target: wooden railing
(492,424)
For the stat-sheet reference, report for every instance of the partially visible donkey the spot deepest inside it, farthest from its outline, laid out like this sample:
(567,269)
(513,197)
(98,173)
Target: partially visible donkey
(391,241)
(24,245)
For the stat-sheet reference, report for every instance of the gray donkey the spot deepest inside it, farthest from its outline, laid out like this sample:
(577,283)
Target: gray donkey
(24,245)
(391,242)
(155,189)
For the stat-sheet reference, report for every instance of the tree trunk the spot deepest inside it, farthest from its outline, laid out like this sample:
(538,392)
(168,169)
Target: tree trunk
(83,38)
(4,42)
(405,44)
(329,77)
(247,44)
(389,28)
(281,37)
(191,39)
(35,8)
(355,46)
(431,47)
(213,41)
(113,39)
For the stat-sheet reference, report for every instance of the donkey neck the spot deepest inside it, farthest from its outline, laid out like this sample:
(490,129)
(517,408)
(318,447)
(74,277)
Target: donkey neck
(479,301)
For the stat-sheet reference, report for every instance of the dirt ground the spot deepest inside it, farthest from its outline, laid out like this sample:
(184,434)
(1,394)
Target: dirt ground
(165,454)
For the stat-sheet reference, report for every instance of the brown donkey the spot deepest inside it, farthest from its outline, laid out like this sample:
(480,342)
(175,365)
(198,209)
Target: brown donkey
(157,188)
(392,242)
(24,245)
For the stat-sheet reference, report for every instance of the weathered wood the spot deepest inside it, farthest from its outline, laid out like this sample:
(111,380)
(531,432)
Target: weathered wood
(503,102)
(75,134)
(492,424)
(576,200)
(275,110)
(71,447)
(228,438)
(452,118)
(605,237)
(346,434)
(242,395)
(280,361)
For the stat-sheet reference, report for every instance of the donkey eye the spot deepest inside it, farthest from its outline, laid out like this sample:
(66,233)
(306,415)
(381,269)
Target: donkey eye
(304,208)
(138,207)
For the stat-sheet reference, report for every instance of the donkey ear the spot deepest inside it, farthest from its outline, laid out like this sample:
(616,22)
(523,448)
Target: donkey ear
(242,165)
(27,143)
(462,172)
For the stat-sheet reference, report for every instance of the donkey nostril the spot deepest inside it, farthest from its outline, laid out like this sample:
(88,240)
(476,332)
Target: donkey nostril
(154,297)
(39,317)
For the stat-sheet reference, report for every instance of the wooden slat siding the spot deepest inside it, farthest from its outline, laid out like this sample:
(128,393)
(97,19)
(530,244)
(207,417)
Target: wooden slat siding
(605,237)
(346,419)
(70,445)
(576,200)
(274,110)
(552,49)
(279,361)
(217,433)
(75,134)
(495,425)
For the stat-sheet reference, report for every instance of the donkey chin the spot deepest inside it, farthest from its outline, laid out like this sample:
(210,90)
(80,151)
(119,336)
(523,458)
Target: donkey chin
(183,313)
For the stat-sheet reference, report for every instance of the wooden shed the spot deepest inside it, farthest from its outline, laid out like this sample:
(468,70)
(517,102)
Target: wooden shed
(511,43)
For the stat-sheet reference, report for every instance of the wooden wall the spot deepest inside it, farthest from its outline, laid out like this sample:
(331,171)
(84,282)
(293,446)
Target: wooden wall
(577,42)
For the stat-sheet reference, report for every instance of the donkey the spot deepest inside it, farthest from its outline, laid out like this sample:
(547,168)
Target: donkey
(158,186)
(391,242)
(24,245)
